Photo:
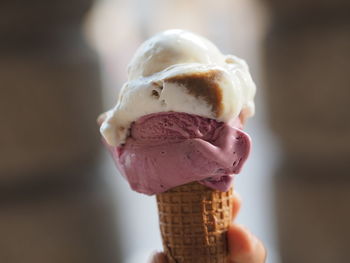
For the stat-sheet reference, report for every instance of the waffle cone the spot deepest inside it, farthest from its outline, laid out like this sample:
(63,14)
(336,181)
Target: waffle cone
(194,220)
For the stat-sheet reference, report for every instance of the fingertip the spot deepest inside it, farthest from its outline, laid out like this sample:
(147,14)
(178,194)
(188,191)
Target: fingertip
(237,196)
(236,204)
(101,118)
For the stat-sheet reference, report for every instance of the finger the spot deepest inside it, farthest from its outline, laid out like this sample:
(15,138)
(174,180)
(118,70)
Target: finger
(101,118)
(158,258)
(245,247)
(236,206)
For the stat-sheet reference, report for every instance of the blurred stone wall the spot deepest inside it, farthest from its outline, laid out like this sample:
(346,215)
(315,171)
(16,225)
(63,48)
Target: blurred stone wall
(54,204)
(306,64)
(50,87)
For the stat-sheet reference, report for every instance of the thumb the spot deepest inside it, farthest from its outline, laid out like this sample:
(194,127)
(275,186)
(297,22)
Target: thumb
(245,247)
(158,257)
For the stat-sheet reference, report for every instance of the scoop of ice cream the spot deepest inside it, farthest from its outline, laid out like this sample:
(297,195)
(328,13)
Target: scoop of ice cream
(170,48)
(179,71)
(168,149)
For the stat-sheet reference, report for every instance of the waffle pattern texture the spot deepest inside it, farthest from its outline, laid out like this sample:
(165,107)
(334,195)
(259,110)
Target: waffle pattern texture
(194,220)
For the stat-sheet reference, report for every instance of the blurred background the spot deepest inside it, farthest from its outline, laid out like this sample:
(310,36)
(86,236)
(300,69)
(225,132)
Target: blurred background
(61,64)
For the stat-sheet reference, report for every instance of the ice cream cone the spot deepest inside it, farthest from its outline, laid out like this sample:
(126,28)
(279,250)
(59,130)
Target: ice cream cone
(194,221)
(180,116)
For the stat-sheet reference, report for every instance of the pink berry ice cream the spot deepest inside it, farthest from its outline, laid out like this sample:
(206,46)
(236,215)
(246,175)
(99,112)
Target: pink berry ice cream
(179,116)
(168,149)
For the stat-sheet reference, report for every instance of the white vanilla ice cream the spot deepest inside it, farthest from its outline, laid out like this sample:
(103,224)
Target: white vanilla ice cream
(179,71)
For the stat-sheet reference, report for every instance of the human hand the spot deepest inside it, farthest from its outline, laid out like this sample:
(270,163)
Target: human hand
(244,246)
